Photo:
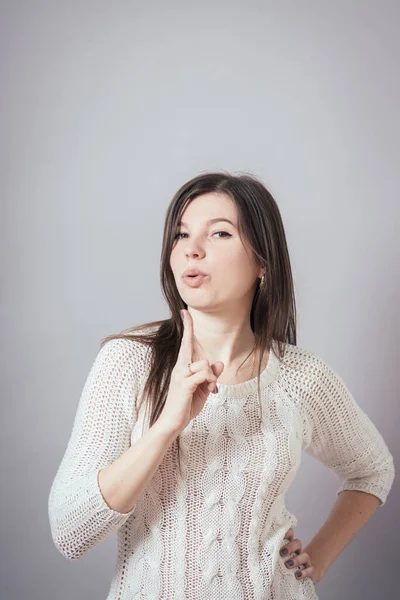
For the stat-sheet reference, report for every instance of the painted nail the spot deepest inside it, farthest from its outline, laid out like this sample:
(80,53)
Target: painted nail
(289,563)
(298,574)
(284,551)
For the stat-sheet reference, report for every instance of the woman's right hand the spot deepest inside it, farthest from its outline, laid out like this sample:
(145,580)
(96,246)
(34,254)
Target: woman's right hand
(188,392)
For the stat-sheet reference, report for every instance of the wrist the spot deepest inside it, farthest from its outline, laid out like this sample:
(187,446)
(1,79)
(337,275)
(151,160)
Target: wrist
(319,568)
(163,426)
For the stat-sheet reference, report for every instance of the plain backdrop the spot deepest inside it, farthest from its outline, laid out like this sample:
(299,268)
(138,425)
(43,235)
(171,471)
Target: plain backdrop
(106,109)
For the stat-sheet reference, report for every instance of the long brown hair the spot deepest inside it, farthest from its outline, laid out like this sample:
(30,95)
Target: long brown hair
(273,310)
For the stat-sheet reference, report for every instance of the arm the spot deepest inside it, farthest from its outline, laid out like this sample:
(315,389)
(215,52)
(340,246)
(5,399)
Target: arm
(340,435)
(349,514)
(120,490)
(98,459)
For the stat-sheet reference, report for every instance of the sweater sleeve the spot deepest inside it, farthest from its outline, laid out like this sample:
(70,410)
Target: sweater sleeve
(342,436)
(80,519)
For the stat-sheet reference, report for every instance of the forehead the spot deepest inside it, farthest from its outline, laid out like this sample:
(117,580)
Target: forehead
(208,207)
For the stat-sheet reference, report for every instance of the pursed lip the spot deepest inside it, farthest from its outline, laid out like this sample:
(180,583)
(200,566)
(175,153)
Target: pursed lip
(192,272)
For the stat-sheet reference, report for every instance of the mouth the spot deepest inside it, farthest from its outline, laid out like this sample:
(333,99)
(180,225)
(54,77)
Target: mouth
(192,273)
(194,280)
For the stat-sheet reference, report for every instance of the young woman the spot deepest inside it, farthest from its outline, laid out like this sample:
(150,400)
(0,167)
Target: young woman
(188,433)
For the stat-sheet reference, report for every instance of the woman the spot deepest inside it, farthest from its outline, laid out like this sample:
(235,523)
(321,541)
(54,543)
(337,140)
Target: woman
(189,433)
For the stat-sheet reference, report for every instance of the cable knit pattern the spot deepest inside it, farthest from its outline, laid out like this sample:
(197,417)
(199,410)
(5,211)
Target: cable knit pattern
(213,531)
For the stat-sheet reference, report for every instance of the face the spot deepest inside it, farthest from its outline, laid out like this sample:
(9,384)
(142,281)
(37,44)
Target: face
(217,250)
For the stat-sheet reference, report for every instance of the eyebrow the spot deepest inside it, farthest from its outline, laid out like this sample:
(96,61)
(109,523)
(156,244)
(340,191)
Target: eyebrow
(210,221)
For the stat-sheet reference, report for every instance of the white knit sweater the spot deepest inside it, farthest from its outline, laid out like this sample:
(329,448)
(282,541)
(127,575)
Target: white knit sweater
(216,533)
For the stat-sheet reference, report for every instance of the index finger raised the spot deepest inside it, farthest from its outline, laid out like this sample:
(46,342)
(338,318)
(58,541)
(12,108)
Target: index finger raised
(186,349)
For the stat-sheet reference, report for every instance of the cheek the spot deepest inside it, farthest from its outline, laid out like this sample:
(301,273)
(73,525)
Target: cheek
(238,262)
(240,256)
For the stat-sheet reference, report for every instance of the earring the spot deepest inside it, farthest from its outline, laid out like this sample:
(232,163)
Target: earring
(262,281)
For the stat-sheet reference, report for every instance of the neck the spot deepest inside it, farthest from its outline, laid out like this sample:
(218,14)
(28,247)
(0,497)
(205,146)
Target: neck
(229,341)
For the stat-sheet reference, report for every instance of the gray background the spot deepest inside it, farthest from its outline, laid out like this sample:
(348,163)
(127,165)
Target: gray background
(106,109)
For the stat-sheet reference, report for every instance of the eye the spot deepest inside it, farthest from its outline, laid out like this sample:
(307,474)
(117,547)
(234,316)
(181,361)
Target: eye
(225,234)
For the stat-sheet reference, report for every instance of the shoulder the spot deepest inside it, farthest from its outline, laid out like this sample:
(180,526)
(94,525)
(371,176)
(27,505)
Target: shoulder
(301,363)
(120,348)
(308,374)
(126,352)
(313,383)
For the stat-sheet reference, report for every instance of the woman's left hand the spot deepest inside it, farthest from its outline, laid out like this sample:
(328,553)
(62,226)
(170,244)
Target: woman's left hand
(302,559)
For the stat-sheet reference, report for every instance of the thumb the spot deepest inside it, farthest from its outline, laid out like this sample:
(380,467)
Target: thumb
(217,368)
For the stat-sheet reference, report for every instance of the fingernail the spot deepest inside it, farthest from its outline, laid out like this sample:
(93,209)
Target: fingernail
(216,390)
(289,563)
(298,574)
(284,551)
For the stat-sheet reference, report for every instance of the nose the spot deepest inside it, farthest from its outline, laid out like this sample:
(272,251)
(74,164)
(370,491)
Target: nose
(193,251)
